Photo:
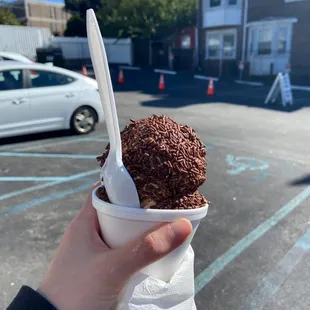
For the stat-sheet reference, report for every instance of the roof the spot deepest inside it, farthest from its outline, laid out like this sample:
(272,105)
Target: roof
(7,54)
(11,65)
(272,19)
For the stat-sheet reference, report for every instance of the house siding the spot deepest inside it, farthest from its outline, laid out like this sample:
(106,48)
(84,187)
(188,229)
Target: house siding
(48,15)
(258,10)
(227,68)
(300,47)
(41,14)
(212,67)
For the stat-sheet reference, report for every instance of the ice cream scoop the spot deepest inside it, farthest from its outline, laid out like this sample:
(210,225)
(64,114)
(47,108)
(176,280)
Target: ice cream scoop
(119,185)
(167,161)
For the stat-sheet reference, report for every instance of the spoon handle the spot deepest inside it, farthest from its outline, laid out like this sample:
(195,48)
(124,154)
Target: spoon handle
(102,73)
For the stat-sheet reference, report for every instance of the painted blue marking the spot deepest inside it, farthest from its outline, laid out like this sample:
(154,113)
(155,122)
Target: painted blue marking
(241,164)
(262,176)
(31,179)
(42,186)
(46,155)
(97,139)
(304,241)
(58,142)
(44,199)
(220,263)
(39,143)
(273,281)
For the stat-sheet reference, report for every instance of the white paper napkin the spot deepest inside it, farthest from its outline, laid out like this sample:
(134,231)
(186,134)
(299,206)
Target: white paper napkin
(147,293)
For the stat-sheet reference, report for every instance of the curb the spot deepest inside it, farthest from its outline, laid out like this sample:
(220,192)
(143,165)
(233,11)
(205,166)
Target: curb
(203,77)
(249,83)
(165,71)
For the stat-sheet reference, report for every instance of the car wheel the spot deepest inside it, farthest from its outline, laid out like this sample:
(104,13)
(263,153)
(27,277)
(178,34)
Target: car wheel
(83,120)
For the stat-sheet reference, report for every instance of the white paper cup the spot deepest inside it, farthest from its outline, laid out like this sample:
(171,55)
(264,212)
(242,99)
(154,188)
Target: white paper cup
(120,225)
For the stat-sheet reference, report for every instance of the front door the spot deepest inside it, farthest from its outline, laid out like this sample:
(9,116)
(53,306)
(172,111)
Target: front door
(269,48)
(51,96)
(159,55)
(14,103)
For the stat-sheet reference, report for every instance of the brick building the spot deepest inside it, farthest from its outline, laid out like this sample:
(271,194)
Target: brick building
(41,14)
(267,35)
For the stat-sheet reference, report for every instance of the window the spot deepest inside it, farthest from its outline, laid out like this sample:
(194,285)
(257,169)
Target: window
(228,45)
(52,12)
(232,2)
(221,44)
(252,39)
(47,79)
(11,79)
(214,45)
(53,28)
(186,41)
(64,15)
(215,3)
(265,41)
(282,40)
(29,10)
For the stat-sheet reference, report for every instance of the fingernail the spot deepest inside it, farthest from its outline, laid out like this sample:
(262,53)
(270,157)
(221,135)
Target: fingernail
(181,228)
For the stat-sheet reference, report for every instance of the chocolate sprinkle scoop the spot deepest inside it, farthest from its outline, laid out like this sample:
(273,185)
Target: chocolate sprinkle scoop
(166,160)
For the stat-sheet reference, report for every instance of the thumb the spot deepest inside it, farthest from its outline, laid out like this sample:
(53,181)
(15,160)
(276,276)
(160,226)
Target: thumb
(153,245)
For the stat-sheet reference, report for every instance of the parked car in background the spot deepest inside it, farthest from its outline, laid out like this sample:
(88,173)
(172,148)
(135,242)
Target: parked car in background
(37,98)
(8,56)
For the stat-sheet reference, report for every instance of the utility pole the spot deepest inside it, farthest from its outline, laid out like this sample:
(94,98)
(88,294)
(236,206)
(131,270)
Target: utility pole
(198,32)
(26,12)
(244,33)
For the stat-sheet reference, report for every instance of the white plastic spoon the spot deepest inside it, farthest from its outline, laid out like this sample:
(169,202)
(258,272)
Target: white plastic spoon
(119,185)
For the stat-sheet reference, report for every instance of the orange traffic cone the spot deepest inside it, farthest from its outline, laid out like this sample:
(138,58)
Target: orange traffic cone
(84,70)
(210,91)
(161,85)
(121,79)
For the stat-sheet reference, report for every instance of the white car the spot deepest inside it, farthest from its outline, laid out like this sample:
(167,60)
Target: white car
(36,98)
(8,56)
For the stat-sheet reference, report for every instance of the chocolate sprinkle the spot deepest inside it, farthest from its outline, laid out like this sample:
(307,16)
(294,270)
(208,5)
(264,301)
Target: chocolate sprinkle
(166,160)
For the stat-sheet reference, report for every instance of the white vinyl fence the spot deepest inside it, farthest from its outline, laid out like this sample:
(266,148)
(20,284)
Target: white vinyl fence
(119,51)
(23,40)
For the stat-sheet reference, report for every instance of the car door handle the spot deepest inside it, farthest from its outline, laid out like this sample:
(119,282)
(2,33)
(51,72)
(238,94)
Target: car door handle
(19,101)
(70,95)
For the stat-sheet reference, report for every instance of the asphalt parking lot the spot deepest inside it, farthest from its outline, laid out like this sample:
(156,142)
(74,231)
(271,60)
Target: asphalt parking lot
(252,250)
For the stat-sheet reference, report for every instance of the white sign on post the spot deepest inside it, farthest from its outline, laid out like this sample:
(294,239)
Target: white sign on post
(282,84)
(286,89)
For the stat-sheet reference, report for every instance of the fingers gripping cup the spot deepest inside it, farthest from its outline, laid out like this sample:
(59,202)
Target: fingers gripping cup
(120,225)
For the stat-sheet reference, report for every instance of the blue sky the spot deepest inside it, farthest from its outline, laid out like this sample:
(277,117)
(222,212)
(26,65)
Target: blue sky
(57,1)
(53,1)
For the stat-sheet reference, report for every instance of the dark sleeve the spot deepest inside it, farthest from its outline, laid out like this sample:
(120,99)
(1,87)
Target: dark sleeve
(29,299)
